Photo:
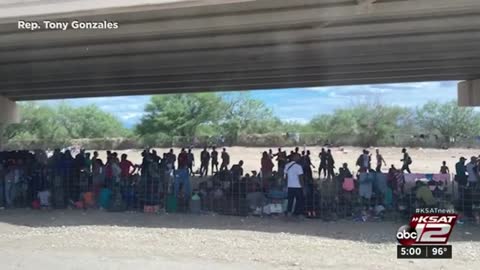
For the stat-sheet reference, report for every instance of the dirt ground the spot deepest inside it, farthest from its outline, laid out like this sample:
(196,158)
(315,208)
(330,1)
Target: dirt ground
(74,239)
(424,160)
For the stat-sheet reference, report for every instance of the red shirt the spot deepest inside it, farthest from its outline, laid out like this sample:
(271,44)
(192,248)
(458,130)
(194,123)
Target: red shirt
(108,171)
(267,165)
(182,160)
(125,166)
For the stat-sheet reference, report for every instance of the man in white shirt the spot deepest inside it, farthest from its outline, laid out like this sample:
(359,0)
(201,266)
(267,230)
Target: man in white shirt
(472,172)
(294,175)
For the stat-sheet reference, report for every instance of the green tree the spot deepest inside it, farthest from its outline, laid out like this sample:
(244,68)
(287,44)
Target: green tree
(448,120)
(55,124)
(365,124)
(246,115)
(89,122)
(180,114)
(37,123)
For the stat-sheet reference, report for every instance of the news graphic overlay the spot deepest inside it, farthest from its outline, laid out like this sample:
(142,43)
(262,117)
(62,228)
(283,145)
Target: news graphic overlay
(426,237)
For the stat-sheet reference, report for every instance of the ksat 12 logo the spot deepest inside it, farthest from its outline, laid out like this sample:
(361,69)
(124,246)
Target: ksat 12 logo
(427,229)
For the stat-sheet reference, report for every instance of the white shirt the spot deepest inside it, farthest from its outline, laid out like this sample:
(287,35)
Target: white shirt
(472,177)
(365,160)
(292,172)
(44,197)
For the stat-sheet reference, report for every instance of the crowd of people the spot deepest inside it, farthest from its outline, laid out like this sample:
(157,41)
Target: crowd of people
(59,179)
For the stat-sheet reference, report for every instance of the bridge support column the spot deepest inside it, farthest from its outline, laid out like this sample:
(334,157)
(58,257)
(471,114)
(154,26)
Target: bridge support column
(9,113)
(469,93)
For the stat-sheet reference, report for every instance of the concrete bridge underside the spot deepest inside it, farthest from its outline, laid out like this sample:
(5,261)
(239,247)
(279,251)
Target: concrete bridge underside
(214,45)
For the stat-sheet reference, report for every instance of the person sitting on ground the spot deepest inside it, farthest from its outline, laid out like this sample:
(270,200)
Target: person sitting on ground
(444,169)
(44,197)
(424,195)
(105,198)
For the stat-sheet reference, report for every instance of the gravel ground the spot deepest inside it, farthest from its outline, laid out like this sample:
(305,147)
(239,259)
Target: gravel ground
(98,240)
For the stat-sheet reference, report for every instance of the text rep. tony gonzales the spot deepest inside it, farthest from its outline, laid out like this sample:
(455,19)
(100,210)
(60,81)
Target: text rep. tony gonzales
(64,25)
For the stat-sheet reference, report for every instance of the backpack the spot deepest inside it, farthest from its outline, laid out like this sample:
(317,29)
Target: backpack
(409,160)
(359,161)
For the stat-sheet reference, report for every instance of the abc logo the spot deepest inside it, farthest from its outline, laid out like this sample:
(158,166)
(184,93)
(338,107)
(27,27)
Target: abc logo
(406,236)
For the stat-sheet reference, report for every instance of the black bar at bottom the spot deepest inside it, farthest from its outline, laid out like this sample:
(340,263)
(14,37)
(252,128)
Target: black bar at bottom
(424,252)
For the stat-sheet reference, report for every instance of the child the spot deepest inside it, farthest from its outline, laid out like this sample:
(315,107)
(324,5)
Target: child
(444,169)
(88,200)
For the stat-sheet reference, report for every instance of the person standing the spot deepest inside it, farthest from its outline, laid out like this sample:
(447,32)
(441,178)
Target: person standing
(225,160)
(182,159)
(380,161)
(330,165)
(267,166)
(323,163)
(204,160)
(294,174)
(191,160)
(407,160)
(126,184)
(171,159)
(444,168)
(214,157)
(363,161)
(281,159)
(237,171)
(472,172)
(182,176)
(308,167)
(461,179)
(127,168)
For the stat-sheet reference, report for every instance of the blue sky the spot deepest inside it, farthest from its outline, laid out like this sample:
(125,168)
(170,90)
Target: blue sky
(299,104)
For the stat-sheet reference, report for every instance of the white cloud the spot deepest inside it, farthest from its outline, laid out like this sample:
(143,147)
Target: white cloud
(131,115)
(296,119)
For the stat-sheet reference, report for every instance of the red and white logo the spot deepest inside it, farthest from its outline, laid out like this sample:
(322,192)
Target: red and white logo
(427,229)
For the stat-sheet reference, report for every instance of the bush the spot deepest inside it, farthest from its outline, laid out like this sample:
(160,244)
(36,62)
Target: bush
(263,140)
(157,140)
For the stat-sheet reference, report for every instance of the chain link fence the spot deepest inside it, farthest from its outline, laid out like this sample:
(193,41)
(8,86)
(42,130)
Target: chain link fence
(364,197)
